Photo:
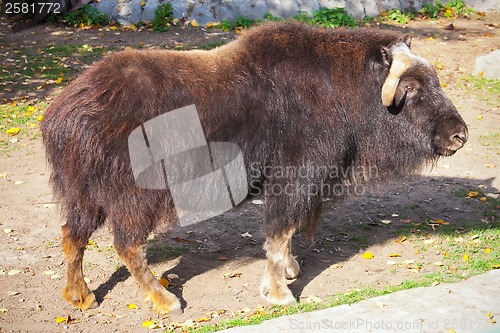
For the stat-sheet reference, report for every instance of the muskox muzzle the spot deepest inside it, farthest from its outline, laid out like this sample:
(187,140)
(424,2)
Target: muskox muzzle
(451,135)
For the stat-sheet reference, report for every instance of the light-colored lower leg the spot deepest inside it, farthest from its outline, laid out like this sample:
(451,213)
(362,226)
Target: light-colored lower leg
(280,265)
(161,300)
(76,290)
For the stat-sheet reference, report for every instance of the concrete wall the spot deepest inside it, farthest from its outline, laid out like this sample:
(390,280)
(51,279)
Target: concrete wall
(203,11)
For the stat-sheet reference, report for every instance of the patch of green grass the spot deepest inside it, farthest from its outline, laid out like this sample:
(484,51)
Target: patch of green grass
(486,90)
(211,45)
(163,251)
(490,139)
(478,82)
(358,241)
(26,69)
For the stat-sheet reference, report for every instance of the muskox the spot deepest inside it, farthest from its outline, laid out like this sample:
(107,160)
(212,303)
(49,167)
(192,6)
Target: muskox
(289,95)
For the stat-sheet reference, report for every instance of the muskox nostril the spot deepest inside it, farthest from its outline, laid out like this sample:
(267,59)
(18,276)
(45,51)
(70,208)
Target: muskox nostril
(459,138)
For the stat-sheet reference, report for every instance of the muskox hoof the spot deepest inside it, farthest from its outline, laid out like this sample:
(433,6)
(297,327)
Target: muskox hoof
(279,294)
(164,302)
(292,269)
(82,298)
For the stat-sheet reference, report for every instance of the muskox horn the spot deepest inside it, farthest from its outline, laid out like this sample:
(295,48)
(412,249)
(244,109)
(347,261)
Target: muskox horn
(402,60)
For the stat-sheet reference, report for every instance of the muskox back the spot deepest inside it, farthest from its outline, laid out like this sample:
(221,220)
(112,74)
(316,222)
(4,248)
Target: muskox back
(352,106)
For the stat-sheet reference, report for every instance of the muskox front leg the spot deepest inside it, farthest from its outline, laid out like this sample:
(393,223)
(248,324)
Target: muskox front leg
(280,265)
(133,254)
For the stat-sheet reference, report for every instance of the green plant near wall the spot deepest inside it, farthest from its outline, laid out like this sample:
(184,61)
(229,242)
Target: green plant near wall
(398,16)
(271,17)
(328,17)
(333,18)
(302,16)
(86,15)
(164,15)
(430,10)
(452,8)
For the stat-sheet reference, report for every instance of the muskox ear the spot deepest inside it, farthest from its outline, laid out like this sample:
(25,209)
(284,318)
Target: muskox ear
(385,53)
(407,40)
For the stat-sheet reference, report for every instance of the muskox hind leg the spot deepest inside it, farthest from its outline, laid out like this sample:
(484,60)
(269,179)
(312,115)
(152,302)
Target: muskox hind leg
(76,234)
(281,264)
(130,247)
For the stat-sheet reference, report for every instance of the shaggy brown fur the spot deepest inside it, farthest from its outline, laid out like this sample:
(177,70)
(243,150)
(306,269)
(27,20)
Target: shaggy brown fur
(289,95)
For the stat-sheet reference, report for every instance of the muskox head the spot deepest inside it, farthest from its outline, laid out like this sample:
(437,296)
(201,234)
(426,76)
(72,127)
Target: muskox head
(412,89)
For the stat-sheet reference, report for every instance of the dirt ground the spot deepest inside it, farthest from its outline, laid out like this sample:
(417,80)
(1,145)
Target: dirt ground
(219,263)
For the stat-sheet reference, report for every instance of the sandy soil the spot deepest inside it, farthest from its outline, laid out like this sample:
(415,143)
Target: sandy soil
(218,269)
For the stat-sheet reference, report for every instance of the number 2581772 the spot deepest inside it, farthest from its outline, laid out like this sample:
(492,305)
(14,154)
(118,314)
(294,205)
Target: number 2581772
(32,8)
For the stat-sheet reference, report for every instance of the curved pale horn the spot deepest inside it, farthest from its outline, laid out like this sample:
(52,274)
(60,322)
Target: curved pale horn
(400,63)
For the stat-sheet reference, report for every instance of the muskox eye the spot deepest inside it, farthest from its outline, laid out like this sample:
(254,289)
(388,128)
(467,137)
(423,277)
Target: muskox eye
(409,87)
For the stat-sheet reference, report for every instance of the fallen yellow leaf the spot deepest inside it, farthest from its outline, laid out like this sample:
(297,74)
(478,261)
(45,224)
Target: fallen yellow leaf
(203,319)
(466,257)
(31,108)
(59,80)
(440,221)
(472,194)
(487,250)
(132,306)
(40,118)
(367,255)
(61,319)
(12,131)
(112,27)
(150,324)
(483,199)
(143,3)
(393,255)
(194,23)
(401,239)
